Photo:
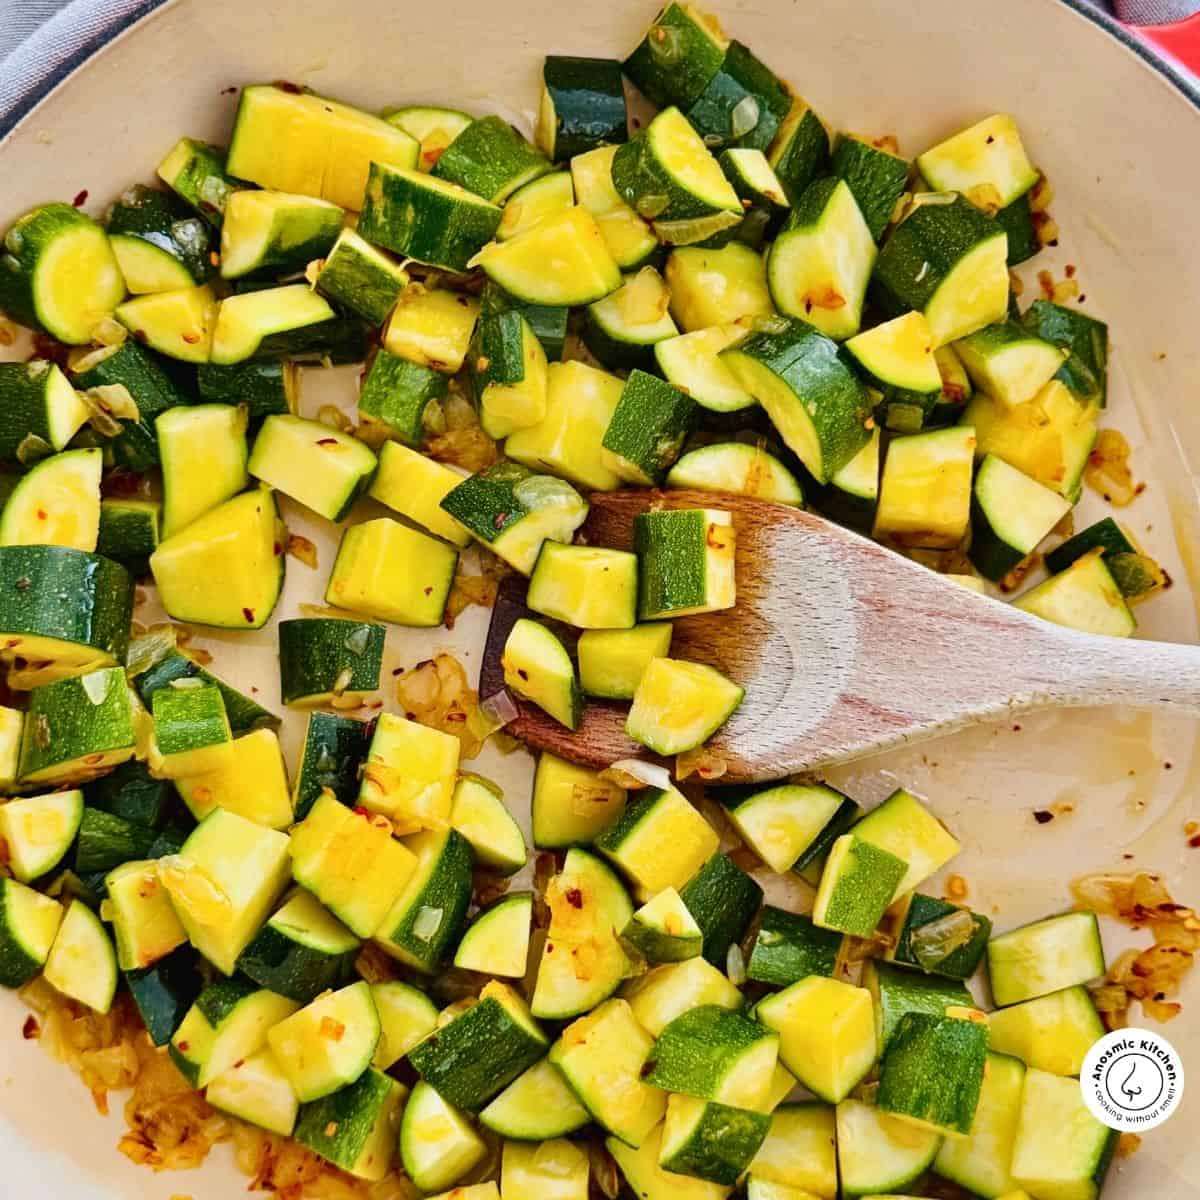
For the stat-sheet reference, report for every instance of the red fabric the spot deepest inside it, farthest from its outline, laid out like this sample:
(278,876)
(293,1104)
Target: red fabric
(1180,42)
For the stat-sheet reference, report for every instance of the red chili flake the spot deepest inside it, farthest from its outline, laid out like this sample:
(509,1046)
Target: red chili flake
(1070,270)
(278,549)
(523,673)
(327,441)
(1082,297)
(31,1029)
(429,591)
(139,335)
(285,85)
(990,139)
(191,338)
(1043,816)
(184,1047)
(41,514)
(231,90)
(574,897)
(359,811)
(499,519)
(1194,842)
(248,613)
(647,1067)
(80,198)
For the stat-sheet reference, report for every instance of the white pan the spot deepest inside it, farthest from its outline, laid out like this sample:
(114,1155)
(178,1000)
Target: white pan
(1120,140)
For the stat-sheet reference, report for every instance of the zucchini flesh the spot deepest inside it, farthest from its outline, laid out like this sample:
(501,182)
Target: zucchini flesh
(679,705)
(57,503)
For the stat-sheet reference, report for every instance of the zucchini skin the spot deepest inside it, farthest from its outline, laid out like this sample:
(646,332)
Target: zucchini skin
(900,991)
(800,152)
(486,502)
(339,1126)
(150,216)
(548,322)
(721,1145)
(740,79)
(676,78)
(875,178)
(1086,370)
(652,421)
(129,533)
(244,714)
(265,388)
(106,841)
(589,103)
(164,992)
(334,748)
(195,172)
(133,793)
(154,390)
(34,578)
(357,276)
(1016,219)
(313,653)
(291,969)
(792,948)
(396,393)
(723,899)
(26,405)
(491,159)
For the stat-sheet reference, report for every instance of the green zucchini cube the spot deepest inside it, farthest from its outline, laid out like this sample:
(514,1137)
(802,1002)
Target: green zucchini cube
(664,930)
(877,1151)
(647,431)
(986,162)
(491,159)
(932,1071)
(195,172)
(1084,338)
(191,731)
(679,705)
(1045,956)
(355,1128)
(395,395)
(789,947)
(414,486)
(941,938)
(536,1168)
(724,900)
(334,749)
(876,176)
(256,1090)
(696,50)
(1052,1033)
(687,558)
(895,992)
(410,774)
(29,923)
(799,1153)
(613,661)
(321,660)
(360,277)
(482,1050)
(509,368)
(583,106)
(165,992)
(538,668)
(145,925)
(712,1141)
(77,728)
(857,885)
(129,532)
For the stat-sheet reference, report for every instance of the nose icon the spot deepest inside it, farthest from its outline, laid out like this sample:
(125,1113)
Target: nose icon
(1130,1092)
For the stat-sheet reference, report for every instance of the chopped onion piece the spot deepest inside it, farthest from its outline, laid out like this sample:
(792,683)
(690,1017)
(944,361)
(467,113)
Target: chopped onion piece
(744,116)
(95,686)
(500,709)
(935,941)
(633,773)
(428,921)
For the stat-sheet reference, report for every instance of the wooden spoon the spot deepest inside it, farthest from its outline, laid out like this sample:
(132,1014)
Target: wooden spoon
(846,648)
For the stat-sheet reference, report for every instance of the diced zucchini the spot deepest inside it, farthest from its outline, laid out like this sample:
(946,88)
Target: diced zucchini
(563,259)
(497,941)
(77,728)
(276,322)
(29,922)
(717,287)
(708,1140)
(948,261)
(321,660)
(580,402)
(144,922)
(12,721)
(648,428)
(588,587)
(582,962)
(406,1016)
(898,358)
(986,162)
(38,831)
(798,1154)
(743,104)
(663,929)
(571,805)
(780,822)
(39,401)
(334,749)
(925,491)
(435,128)
(857,885)
(203,453)
(800,151)
(414,486)
(479,813)
(165,993)
(1052,1032)
(678,56)
(191,731)
(82,964)
(61,275)
(666,992)
(1135,573)
(623,329)
(537,666)
(228,1023)
(274,233)
(224,882)
(477,1053)
(105,841)
(629,239)
(434,220)
(745,470)
(602,1057)
(1060,1151)
(129,532)
(613,661)
(1011,514)
(878,1153)
(536,1105)
(548,321)
(896,992)
(178,323)
(826,1034)
(690,361)
(428,916)
(355,1128)
(788,948)
(762,195)
(509,367)
(981,1161)
(1045,956)
(256,1090)
(647,1178)
(940,938)
(396,393)
(358,276)
(57,503)
(431,329)
(535,200)
(724,901)
(1085,596)
(1084,338)
(1008,363)
(409,774)
(903,826)
(263,387)
(299,142)
(932,1071)
(388,571)
(660,841)
(686,562)
(551,1170)
(876,175)
(582,107)
(437,1144)
(512,511)
(195,172)
(679,705)
(819,267)
(490,158)
(329,1043)
(302,951)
